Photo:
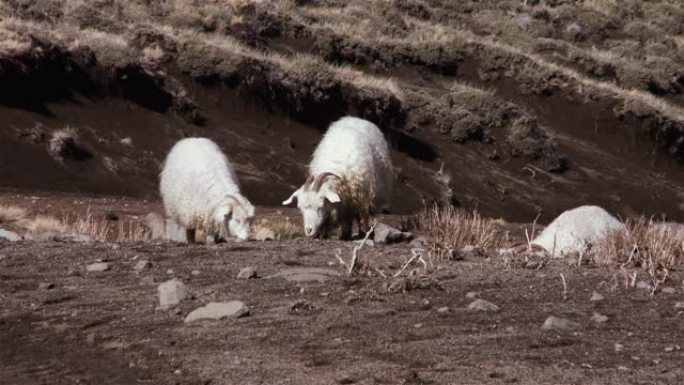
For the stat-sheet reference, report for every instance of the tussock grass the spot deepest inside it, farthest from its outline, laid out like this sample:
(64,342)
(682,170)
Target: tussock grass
(45,224)
(10,214)
(285,230)
(653,246)
(450,229)
(62,142)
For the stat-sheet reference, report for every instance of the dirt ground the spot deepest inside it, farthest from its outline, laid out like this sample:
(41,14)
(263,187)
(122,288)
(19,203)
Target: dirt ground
(62,325)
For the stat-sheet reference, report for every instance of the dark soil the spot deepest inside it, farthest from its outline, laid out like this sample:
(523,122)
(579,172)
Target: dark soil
(62,325)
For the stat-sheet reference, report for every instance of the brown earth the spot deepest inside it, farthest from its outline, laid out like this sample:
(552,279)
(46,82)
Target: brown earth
(106,328)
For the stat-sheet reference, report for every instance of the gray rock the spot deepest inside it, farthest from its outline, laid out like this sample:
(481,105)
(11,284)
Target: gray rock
(387,234)
(97,267)
(247,273)
(419,242)
(482,305)
(599,318)
(156,224)
(10,235)
(556,323)
(46,286)
(147,280)
(264,234)
(596,297)
(669,290)
(175,232)
(217,311)
(368,243)
(443,310)
(195,272)
(142,265)
(472,295)
(467,252)
(307,274)
(619,347)
(679,305)
(171,292)
(532,264)
(644,285)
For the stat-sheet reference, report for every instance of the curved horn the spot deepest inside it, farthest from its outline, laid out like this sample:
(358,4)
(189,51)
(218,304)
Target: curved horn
(318,181)
(307,182)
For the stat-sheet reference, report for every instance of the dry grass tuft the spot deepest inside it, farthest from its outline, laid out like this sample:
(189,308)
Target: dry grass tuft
(285,230)
(45,224)
(12,214)
(133,232)
(652,246)
(451,229)
(94,228)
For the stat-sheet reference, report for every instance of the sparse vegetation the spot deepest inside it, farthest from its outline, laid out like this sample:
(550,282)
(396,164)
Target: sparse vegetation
(451,229)
(10,214)
(45,224)
(285,230)
(62,143)
(644,244)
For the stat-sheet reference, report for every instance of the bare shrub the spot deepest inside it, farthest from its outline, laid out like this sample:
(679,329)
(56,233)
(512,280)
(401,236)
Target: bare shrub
(88,225)
(11,214)
(45,224)
(452,229)
(133,232)
(645,244)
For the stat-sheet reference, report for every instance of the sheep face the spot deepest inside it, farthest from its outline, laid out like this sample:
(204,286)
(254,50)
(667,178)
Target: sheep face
(237,219)
(315,208)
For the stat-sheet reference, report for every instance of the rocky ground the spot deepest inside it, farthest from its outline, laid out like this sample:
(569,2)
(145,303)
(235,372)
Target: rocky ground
(104,313)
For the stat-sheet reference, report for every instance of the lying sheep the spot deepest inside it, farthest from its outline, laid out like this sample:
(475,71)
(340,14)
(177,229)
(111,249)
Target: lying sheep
(350,177)
(200,190)
(576,229)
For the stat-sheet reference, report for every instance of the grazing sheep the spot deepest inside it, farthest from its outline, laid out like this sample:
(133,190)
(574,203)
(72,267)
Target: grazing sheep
(350,177)
(200,189)
(576,229)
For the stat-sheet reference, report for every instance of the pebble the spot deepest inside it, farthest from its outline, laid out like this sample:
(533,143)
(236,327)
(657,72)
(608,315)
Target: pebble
(195,272)
(596,297)
(599,318)
(46,286)
(619,347)
(217,311)
(482,305)
(679,305)
(171,292)
(532,265)
(97,267)
(10,235)
(472,295)
(142,265)
(443,310)
(669,290)
(247,273)
(557,323)
(644,285)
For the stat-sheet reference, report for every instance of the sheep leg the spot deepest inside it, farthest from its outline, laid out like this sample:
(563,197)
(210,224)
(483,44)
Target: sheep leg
(346,224)
(190,235)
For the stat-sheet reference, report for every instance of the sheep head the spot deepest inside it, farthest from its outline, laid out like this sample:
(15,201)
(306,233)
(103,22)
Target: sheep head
(313,200)
(236,214)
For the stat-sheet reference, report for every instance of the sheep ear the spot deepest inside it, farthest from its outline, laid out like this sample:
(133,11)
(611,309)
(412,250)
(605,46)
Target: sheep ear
(295,195)
(332,196)
(229,208)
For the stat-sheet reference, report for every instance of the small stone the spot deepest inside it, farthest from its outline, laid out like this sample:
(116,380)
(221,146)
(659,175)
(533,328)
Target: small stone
(247,273)
(46,286)
(532,264)
(177,372)
(669,349)
(10,235)
(679,305)
(482,305)
(669,290)
(171,292)
(636,358)
(557,323)
(599,318)
(264,234)
(596,297)
(388,234)
(97,267)
(368,243)
(619,347)
(622,368)
(443,310)
(586,366)
(169,271)
(142,265)
(217,311)
(643,285)
(195,272)
(472,295)
(418,326)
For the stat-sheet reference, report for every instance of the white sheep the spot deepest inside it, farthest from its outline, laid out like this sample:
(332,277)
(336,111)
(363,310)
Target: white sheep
(350,177)
(574,230)
(200,190)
